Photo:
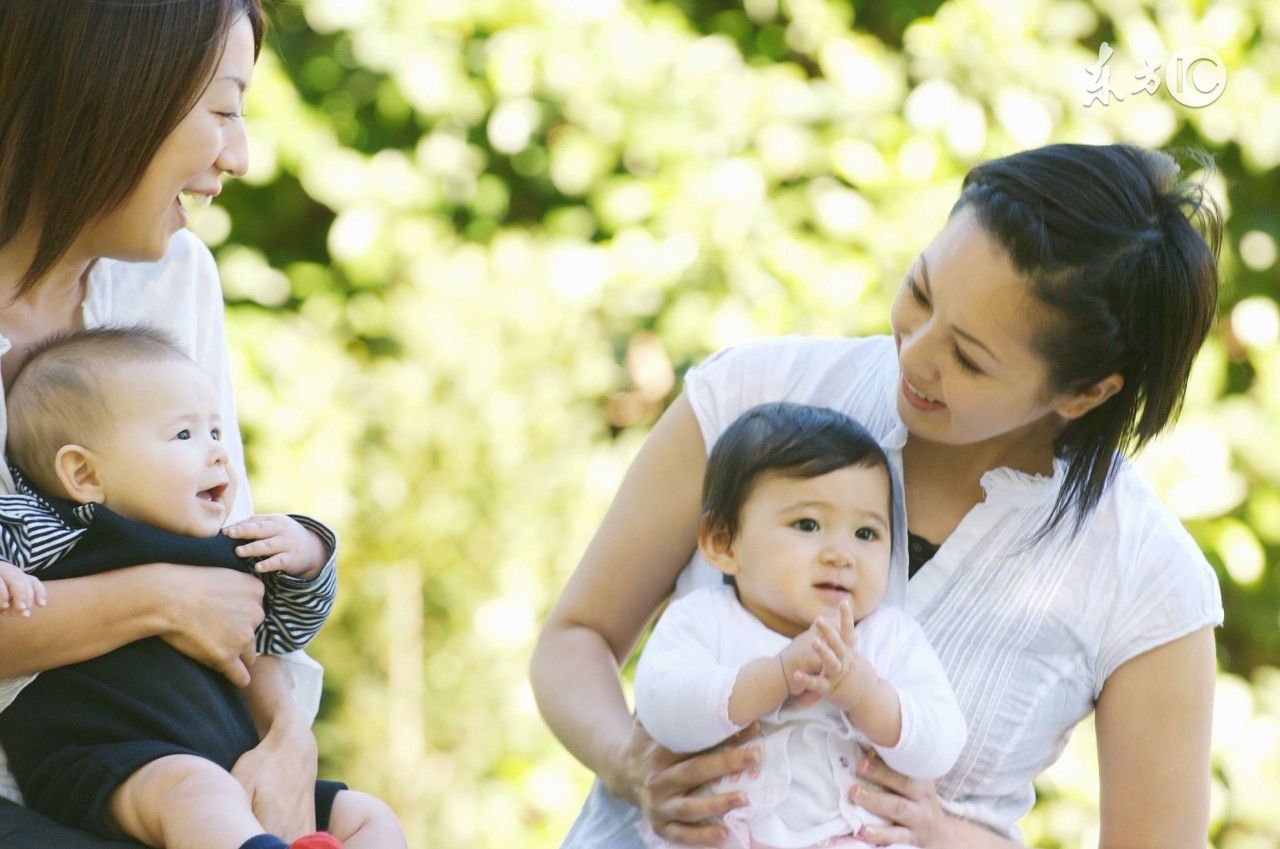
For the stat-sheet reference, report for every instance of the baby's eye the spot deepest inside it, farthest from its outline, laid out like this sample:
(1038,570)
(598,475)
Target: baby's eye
(183,434)
(866,534)
(806,525)
(216,433)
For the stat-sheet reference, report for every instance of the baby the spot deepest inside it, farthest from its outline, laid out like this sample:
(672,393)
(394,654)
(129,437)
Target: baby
(798,515)
(118,458)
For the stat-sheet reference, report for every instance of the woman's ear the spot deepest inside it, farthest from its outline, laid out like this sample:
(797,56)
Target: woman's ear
(716,546)
(77,470)
(1075,406)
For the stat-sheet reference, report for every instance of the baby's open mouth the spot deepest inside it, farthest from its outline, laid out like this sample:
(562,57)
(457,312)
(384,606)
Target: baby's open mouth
(213,493)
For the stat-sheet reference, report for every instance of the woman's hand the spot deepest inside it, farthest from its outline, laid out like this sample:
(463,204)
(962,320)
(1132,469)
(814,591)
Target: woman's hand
(212,615)
(909,804)
(279,775)
(661,783)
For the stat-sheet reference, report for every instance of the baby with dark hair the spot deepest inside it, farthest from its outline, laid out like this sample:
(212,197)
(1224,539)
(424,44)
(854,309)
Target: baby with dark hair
(804,637)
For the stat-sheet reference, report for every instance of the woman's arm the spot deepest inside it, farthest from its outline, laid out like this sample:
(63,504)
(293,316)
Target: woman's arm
(630,567)
(207,614)
(279,774)
(1154,719)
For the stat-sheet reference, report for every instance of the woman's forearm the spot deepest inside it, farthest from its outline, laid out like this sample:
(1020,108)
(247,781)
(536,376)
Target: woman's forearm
(269,696)
(962,834)
(575,681)
(85,618)
(629,568)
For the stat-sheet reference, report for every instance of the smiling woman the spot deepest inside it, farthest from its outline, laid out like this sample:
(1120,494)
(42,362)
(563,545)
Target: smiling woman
(109,112)
(1047,328)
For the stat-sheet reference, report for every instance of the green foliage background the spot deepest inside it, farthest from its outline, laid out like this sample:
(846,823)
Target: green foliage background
(481,241)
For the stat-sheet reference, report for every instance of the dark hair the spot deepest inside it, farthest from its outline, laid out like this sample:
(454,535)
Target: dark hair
(1124,256)
(89,89)
(62,393)
(793,440)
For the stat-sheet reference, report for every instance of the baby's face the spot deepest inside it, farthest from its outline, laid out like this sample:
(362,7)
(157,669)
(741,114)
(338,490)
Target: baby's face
(804,545)
(164,463)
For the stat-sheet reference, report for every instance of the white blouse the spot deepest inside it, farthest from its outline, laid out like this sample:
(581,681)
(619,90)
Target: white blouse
(182,295)
(1027,634)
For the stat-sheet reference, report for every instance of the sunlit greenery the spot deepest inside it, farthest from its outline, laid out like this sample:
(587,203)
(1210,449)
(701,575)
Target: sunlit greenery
(481,242)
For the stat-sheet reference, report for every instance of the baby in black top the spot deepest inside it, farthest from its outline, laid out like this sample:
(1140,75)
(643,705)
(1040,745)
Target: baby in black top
(119,437)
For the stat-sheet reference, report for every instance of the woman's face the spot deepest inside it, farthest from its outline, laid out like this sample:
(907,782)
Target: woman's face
(207,143)
(963,321)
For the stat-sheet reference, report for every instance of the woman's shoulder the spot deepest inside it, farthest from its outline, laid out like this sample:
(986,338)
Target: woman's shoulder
(852,375)
(785,353)
(1137,517)
(1158,584)
(1142,554)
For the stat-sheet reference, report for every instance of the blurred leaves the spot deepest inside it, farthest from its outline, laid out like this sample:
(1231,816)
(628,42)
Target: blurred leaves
(480,242)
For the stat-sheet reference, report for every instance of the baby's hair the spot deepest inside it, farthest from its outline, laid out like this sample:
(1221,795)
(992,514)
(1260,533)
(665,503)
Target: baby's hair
(792,440)
(62,393)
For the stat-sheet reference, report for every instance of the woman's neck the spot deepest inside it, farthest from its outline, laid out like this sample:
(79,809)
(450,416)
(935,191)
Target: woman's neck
(61,282)
(942,482)
(53,305)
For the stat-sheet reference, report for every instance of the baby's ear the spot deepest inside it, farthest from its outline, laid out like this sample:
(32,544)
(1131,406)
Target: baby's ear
(716,546)
(77,470)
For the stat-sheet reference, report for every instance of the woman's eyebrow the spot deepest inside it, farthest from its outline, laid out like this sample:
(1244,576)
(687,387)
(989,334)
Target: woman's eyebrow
(232,78)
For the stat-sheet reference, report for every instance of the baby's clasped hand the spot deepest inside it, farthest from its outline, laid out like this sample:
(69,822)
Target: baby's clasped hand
(19,592)
(282,542)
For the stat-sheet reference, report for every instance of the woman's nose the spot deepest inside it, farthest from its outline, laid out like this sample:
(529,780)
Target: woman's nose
(234,157)
(916,352)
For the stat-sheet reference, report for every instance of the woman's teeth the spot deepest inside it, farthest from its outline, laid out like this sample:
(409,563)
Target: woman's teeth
(190,198)
(919,394)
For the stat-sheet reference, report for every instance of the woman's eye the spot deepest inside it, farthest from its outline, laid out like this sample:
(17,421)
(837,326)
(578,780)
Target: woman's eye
(917,294)
(966,363)
(183,434)
(806,525)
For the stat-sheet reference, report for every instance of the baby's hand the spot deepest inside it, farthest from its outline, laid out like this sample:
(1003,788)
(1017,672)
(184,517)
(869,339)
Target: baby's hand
(801,658)
(19,592)
(283,543)
(841,664)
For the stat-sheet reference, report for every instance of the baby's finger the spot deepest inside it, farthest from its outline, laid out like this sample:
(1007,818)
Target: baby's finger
(829,633)
(21,596)
(832,663)
(5,597)
(274,563)
(812,683)
(245,529)
(38,593)
(847,624)
(258,548)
